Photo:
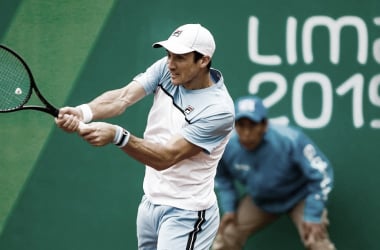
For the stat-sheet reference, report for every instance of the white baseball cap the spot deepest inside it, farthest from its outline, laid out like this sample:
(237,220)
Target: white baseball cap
(188,38)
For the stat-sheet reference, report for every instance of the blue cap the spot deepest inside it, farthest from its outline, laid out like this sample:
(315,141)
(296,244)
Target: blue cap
(250,107)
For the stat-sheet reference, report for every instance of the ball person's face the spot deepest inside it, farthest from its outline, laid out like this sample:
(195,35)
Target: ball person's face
(250,133)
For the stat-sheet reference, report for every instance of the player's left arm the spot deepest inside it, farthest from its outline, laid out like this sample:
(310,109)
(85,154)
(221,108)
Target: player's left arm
(157,156)
(161,156)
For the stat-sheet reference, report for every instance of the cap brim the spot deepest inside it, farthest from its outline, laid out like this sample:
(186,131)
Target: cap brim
(249,116)
(173,47)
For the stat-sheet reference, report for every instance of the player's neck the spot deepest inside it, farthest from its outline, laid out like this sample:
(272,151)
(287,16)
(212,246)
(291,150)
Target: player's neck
(201,82)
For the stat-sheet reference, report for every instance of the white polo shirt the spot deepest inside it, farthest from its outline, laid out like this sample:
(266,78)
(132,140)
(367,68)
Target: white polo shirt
(204,117)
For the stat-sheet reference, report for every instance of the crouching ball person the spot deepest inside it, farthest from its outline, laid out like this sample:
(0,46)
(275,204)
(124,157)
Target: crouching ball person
(188,126)
(283,172)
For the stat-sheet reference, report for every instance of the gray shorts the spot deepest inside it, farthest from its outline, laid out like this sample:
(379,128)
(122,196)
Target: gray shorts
(168,228)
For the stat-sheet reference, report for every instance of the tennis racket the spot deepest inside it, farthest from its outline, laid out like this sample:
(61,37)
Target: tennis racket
(17,85)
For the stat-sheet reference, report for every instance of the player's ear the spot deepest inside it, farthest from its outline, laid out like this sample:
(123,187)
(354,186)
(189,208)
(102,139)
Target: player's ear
(205,60)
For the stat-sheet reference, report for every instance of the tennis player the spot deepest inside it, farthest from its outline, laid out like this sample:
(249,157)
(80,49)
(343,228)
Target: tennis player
(187,129)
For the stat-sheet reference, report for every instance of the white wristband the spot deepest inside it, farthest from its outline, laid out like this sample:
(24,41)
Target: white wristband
(118,134)
(121,137)
(86,111)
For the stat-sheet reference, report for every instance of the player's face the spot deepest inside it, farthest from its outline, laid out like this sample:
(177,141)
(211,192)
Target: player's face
(184,71)
(250,133)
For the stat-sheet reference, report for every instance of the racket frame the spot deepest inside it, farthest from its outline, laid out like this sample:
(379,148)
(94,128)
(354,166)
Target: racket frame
(48,108)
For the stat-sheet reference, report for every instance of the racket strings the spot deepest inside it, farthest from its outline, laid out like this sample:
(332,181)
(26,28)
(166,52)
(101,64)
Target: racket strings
(15,86)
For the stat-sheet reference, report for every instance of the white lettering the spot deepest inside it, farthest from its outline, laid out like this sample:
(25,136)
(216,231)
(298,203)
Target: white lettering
(373,92)
(279,92)
(291,41)
(253,45)
(334,28)
(376,43)
(327,97)
(356,83)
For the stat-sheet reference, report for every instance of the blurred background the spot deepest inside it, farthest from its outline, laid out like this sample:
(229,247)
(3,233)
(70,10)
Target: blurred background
(315,64)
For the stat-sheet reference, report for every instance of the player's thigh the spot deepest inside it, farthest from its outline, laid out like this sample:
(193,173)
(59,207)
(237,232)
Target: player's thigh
(147,225)
(184,229)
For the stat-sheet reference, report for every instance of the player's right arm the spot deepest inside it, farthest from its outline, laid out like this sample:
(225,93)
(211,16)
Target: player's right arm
(109,104)
(114,102)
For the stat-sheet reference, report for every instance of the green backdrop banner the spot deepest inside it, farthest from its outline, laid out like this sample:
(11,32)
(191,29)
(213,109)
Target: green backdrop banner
(315,64)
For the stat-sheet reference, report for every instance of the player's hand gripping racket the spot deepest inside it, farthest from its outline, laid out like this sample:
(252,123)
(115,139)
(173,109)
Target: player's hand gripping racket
(17,85)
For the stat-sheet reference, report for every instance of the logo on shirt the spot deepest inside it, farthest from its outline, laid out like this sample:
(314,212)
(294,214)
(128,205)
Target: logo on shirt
(189,109)
(242,167)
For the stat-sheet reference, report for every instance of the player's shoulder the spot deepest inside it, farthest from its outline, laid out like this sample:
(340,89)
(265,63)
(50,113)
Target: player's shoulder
(219,95)
(214,102)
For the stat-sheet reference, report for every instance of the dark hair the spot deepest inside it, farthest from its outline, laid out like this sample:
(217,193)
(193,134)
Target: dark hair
(198,56)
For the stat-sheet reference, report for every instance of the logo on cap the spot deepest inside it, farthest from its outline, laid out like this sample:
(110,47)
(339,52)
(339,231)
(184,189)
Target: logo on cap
(177,33)
(247,105)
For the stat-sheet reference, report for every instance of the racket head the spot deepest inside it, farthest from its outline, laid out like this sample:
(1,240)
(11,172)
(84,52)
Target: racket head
(15,81)
(17,84)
